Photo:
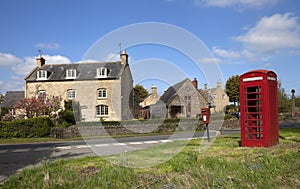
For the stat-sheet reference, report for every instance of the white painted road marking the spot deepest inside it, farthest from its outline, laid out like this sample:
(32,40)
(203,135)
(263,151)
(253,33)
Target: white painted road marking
(63,147)
(83,146)
(42,148)
(95,145)
(151,142)
(118,144)
(135,143)
(21,150)
(101,145)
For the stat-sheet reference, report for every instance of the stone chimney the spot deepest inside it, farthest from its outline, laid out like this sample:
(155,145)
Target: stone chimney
(219,84)
(40,61)
(154,90)
(195,83)
(124,57)
(205,86)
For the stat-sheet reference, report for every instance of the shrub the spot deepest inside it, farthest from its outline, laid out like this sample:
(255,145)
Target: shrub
(34,127)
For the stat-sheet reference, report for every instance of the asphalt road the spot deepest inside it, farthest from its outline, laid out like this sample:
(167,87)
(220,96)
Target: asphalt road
(14,157)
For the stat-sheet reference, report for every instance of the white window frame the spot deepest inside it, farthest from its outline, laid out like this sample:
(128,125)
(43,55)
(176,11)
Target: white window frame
(71,94)
(42,95)
(102,93)
(102,110)
(41,75)
(71,73)
(101,72)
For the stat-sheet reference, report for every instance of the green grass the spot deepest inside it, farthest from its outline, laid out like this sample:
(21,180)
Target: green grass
(223,165)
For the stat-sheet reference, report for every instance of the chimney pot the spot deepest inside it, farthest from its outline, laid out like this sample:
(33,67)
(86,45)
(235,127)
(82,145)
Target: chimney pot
(195,83)
(124,57)
(154,89)
(40,61)
(205,86)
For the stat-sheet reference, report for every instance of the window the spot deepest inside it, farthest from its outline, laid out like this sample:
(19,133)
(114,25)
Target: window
(42,75)
(71,74)
(102,93)
(101,110)
(187,100)
(71,94)
(102,72)
(42,95)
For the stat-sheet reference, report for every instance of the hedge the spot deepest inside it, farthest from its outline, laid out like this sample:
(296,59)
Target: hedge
(26,128)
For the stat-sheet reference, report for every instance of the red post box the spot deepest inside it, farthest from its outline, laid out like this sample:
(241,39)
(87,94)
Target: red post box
(205,114)
(259,109)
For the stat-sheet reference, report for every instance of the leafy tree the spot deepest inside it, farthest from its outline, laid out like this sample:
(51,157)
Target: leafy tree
(52,104)
(284,105)
(297,101)
(1,97)
(142,92)
(34,107)
(232,89)
(66,116)
(1,109)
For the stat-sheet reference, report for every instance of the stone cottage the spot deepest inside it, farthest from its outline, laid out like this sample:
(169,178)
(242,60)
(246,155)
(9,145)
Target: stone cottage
(102,90)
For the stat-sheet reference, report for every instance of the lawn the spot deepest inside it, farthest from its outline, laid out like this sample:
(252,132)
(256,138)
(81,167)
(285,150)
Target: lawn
(181,165)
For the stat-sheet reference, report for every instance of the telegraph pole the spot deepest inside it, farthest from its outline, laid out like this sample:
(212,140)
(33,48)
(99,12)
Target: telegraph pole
(293,103)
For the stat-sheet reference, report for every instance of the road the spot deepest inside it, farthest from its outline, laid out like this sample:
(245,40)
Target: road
(14,157)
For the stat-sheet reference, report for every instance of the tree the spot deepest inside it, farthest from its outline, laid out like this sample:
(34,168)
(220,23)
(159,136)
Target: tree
(284,105)
(35,107)
(232,89)
(142,92)
(1,97)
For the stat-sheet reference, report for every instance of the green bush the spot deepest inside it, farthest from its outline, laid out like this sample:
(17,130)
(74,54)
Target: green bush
(25,128)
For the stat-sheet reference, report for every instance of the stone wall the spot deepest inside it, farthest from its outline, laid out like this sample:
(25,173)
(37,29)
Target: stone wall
(96,130)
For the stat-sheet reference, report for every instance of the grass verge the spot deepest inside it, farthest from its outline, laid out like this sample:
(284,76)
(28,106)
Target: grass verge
(223,165)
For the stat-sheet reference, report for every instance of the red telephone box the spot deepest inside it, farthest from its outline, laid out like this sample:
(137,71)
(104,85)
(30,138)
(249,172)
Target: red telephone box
(259,108)
(205,112)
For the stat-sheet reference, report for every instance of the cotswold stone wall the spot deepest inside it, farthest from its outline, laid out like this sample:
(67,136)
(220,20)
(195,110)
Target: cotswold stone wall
(90,129)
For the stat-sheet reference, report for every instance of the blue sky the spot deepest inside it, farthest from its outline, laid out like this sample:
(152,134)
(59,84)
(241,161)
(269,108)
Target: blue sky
(240,35)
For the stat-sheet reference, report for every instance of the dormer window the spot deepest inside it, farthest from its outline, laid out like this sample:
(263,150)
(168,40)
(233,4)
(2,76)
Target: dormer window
(101,72)
(71,73)
(41,75)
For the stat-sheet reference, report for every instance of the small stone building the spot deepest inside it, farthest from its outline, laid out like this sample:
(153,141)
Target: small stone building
(217,97)
(183,99)
(146,106)
(9,101)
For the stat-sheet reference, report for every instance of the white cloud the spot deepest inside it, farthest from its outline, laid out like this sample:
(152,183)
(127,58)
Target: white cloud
(14,84)
(29,63)
(272,34)
(8,59)
(225,53)
(248,55)
(48,45)
(209,60)
(268,65)
(237,3)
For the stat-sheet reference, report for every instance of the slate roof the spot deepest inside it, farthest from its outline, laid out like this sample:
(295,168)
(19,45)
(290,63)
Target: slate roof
(171,92)
(11,97)
(84,71)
